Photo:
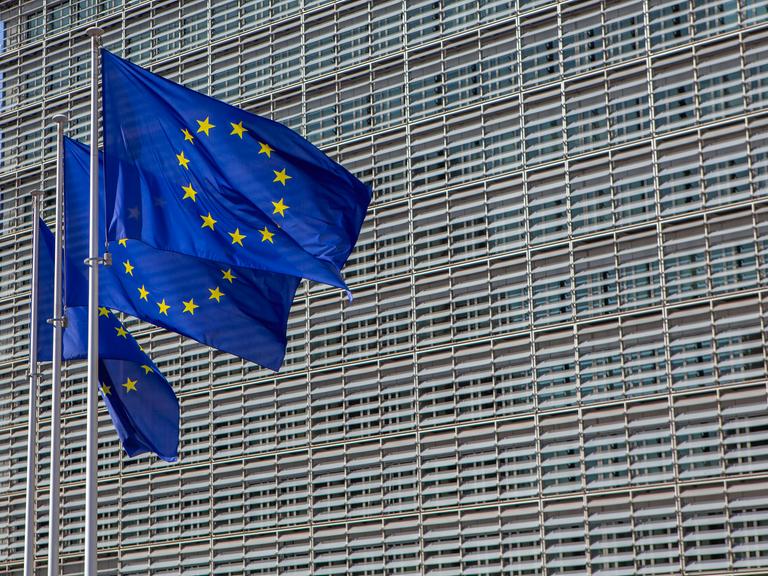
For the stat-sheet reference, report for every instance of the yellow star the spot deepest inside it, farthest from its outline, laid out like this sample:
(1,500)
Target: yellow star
(103,311)
(189,192)
(237,238)
(147,369)
(130,385)
(106,390)
(280,207)
(205,125)
(266,235)
(189,306)
(266,149)
(163,307)
(281,176)
(143,293)
(128,267)
(228,275)
(208,222)
(121,332)
(123,242)
(216,294)
(183,160)
(238,129)
(188,135)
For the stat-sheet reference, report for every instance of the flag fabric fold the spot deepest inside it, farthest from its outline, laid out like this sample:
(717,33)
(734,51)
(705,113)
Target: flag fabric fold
(141,402)
(193,175)
(240,311)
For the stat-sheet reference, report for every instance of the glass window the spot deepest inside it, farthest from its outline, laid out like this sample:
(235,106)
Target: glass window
(732,257)
(585,114)
(691,361)
(513,383)
(685,255)
(462,71)
(678,166)
(595,278)
(739,345)
(756,69)
(501,139)
(559,449)
(589,192)
(547,205)
(582,37)
(633,184)
(628,106)
(753,11)
(703,515)
(551,286)
(725,162)
(712,17)
(422,21)
(719,80)
(668,23)
(425,82)
(645,372)
(543,118)
(638,269)
(464,146)
(540,51)
(506,214)
(600,379)
(624,33)
(673,92)
(499,62)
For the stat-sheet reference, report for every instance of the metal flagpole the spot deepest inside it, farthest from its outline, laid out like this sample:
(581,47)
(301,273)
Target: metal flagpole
(29,511)
(93,319)
(58,325)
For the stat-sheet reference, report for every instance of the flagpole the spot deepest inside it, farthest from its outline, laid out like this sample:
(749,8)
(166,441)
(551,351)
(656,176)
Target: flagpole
(58,325)
(91,487)
(29,510)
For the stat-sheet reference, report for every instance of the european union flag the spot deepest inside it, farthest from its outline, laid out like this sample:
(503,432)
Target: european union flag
(240,311)
(193,175)
(141,402)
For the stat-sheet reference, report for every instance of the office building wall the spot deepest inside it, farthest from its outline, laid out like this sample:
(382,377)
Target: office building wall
(555,362)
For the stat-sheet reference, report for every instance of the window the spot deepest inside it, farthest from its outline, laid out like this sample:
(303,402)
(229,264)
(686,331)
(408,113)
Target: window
(625,37)
(586,114)
(540,59)
(543,126)
(673,92)
(582,37)
(719,80)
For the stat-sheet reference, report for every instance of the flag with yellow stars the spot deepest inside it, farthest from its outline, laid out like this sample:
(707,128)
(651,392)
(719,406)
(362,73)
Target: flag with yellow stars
(193,175)
(141,402)
(240,311)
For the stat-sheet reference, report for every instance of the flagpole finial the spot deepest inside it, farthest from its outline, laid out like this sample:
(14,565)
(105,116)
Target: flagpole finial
(60,119)
(94,31)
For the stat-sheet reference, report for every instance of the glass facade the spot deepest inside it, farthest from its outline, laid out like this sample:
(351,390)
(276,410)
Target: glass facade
(555,362)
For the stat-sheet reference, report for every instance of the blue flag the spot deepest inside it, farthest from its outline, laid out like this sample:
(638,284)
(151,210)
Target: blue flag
(141,402)
(193,175)
(240,311)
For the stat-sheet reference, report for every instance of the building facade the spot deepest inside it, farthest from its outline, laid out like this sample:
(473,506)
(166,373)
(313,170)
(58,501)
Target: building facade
(555,362)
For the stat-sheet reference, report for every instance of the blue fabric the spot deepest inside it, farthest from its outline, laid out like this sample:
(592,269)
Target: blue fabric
(299,212)
(240,311)
(141,402)
(46,250)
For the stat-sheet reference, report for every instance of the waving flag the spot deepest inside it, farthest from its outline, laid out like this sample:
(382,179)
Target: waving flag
(193,175)
(141,402)
(240,311)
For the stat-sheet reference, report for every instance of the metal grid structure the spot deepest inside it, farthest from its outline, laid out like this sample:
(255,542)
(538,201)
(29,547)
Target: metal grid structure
(556,359)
